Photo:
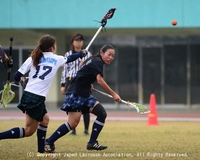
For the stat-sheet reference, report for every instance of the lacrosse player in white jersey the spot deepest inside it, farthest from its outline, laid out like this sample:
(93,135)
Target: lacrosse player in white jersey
(42,66)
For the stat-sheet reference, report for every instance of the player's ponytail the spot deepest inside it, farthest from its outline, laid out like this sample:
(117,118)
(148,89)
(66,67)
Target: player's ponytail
(36,55)
(45,43)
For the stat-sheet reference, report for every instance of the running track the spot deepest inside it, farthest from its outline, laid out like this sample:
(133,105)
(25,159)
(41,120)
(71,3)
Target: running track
(167,115)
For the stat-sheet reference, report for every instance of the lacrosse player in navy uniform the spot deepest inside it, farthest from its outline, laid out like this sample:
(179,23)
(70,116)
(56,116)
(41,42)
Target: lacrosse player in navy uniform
(78,99)
(5,59)
(42,66)
(69,71)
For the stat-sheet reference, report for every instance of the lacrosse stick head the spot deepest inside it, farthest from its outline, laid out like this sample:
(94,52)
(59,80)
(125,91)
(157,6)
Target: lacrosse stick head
(108,15)
(7,95)
(141,109)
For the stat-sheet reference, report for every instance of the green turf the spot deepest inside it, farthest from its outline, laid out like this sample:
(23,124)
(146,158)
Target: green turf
(125,140)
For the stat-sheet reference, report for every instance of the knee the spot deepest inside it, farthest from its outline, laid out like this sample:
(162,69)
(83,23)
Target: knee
(29,132)
(73,124)
(45,121)
(103,115)
(100,112)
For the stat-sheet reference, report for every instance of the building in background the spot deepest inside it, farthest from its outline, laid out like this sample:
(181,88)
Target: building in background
(152,56)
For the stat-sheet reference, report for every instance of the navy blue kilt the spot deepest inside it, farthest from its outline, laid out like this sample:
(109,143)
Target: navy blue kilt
(33,105)
(74,103)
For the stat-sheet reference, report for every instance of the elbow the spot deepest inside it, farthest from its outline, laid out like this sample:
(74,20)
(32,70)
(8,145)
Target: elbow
(99,82)
(99,79)
(17,76)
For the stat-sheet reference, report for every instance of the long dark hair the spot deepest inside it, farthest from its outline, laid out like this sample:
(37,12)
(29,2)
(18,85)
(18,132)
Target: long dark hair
(103,49)
(74,37)
(45,43)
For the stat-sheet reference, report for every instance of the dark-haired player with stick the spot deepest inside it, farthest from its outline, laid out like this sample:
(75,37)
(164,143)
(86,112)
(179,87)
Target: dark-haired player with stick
(69,71)
(78,99)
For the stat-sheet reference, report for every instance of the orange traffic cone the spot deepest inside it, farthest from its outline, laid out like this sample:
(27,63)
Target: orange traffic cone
(152,116)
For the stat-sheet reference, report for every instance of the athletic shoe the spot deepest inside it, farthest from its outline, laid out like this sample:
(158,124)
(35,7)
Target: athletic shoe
(49,148)
(95,146)
(73,133)
(86,133)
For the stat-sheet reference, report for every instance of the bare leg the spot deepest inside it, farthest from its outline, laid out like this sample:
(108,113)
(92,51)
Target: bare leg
(20,132)
(30,126)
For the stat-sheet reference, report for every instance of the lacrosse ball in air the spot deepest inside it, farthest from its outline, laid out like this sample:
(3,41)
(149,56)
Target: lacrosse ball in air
(174,22)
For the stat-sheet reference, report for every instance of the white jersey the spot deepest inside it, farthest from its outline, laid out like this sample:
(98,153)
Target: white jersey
(40,78)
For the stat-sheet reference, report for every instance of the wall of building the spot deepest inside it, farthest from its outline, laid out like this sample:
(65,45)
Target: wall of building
(81,13)
(28,20)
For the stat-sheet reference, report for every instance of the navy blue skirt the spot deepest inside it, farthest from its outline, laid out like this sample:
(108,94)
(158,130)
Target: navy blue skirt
(33,105)
(74,103)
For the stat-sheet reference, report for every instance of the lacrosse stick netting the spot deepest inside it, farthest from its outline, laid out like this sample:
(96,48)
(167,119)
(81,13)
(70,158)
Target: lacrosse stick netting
(141,109)
(7,95)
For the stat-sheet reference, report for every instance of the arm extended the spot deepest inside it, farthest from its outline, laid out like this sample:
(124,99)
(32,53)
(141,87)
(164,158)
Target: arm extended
(73,57)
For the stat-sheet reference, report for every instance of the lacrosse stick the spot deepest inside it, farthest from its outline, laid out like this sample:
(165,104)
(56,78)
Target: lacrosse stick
(7,94)
(141,109)
(103,22)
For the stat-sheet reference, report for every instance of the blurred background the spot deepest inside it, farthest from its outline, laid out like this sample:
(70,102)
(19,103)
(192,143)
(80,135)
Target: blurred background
(152,55)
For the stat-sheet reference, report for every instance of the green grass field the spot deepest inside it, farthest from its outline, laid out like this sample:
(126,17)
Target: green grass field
(125,140)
